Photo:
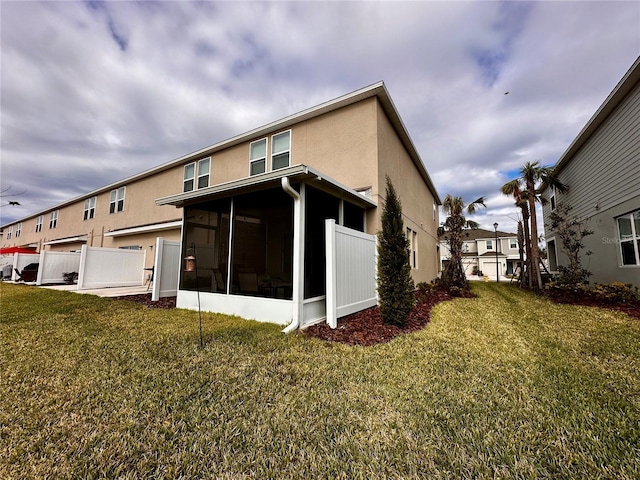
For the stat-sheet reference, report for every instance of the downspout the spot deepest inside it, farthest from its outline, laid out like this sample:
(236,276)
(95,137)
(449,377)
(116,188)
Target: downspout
(297,260)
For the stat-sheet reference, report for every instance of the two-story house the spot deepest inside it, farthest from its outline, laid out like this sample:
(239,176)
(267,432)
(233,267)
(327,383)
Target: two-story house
(254,206)
(601,168)
(479,250)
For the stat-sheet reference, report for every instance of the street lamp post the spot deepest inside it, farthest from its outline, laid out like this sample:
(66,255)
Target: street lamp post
(495,227)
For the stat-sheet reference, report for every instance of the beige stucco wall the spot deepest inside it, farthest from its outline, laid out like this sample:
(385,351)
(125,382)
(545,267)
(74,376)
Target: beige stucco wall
(417,201)
(355,145)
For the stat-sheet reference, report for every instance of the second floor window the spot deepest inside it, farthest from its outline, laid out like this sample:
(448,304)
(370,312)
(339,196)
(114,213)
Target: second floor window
(280,150)
(489,244)
(204,168)
(117,200)
(189,178)
(39,224)
(258,157)
(513,243)
(9,232)
(18,229)
(89,208)
(552,197)
(53,219)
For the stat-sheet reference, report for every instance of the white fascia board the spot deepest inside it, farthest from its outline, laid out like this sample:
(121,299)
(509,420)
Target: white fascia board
(146,229)
(79,238)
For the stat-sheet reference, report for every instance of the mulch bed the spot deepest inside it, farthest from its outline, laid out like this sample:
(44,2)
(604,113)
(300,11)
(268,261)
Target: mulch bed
(366,327)
(583,298)
(145,299)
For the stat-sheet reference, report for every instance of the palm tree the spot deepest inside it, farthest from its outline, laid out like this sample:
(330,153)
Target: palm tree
(512,188)
(454,224)
(533,177)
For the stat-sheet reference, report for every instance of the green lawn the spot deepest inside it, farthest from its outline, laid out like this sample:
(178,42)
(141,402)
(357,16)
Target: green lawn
(506,385)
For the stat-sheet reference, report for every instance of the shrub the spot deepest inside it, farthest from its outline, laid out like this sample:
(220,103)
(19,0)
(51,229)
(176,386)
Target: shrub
(616,292)
(395,285)
(70,277)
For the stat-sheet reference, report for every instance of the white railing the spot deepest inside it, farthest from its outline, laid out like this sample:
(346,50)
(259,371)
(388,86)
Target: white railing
(54,264)
(351,271)
(166,269)
(110,267)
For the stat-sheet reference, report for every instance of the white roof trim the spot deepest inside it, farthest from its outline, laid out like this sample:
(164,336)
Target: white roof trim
(147,228)
(302,173)
(79,238)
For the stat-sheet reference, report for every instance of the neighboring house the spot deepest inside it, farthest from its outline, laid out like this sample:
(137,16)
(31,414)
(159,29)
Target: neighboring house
(254,207)
(601,167)
(479,252)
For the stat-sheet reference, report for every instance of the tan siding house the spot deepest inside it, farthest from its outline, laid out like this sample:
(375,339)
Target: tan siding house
(602,170)
(235,202)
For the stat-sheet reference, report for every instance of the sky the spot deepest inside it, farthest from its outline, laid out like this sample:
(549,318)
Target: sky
(94,92)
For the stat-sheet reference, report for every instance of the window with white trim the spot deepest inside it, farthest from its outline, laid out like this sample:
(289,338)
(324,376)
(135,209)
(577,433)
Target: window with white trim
(629,235)
(513,243)
(39,224)
(280,150)
(18,229)
(9,232)
(552,197)
(53,219)
(434,210)
(412,236)
(116,203)
(204,168)
(489,244)
(258,157)
(189,177)
(89,208)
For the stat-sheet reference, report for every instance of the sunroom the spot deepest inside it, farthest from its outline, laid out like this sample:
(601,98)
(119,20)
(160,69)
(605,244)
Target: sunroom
(258,244)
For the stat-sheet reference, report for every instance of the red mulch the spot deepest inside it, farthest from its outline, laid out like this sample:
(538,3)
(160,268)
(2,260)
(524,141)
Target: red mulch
(145,299)
(583,298)
(366,327)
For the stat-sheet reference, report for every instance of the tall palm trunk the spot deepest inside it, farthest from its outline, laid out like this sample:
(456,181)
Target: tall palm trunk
(535,251)
(527,244)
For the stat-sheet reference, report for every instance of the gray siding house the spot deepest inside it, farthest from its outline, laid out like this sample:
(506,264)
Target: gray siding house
(602,170)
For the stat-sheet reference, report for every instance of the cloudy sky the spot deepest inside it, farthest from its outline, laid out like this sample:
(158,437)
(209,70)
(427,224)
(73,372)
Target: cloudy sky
(93,92)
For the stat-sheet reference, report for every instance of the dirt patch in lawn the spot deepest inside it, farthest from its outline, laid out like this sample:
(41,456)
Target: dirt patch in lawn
(367,328)
(585,298)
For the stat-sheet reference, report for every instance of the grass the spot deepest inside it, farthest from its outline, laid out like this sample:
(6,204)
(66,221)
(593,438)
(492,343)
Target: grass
(506,385)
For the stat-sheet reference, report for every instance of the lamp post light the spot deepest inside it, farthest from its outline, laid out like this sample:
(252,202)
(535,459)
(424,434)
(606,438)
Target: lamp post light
(495,227)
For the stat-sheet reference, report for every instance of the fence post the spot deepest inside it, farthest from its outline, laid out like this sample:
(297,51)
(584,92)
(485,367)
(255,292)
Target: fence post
(14,275)
(40,267)
(330,245)
(81,269)
(157,269)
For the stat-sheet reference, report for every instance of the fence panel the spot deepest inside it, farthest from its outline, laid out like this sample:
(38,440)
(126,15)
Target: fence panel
(54,264)
(110,267)
(351,271)
(167,265)
(21,260)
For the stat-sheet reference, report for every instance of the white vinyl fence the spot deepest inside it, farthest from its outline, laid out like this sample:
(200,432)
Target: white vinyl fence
(21,260)
(54,264)
(110,267)
(167,265)
(351,271)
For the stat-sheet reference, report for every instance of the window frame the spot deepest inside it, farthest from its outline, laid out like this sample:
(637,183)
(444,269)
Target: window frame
(253,161)
(116,204)
(53,220)
(201,175)
(18,229)
(39,223)
(9,231)
(286,151)
(552,197)
(489,244)
(90,208)
(412,236)
(634,238)
(191,179)
(513,243)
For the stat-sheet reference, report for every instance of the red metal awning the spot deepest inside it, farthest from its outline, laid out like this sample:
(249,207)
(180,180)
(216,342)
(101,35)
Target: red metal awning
(12,250)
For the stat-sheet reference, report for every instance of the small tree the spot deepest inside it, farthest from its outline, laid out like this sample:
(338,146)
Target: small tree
(572,233)
(395,285)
